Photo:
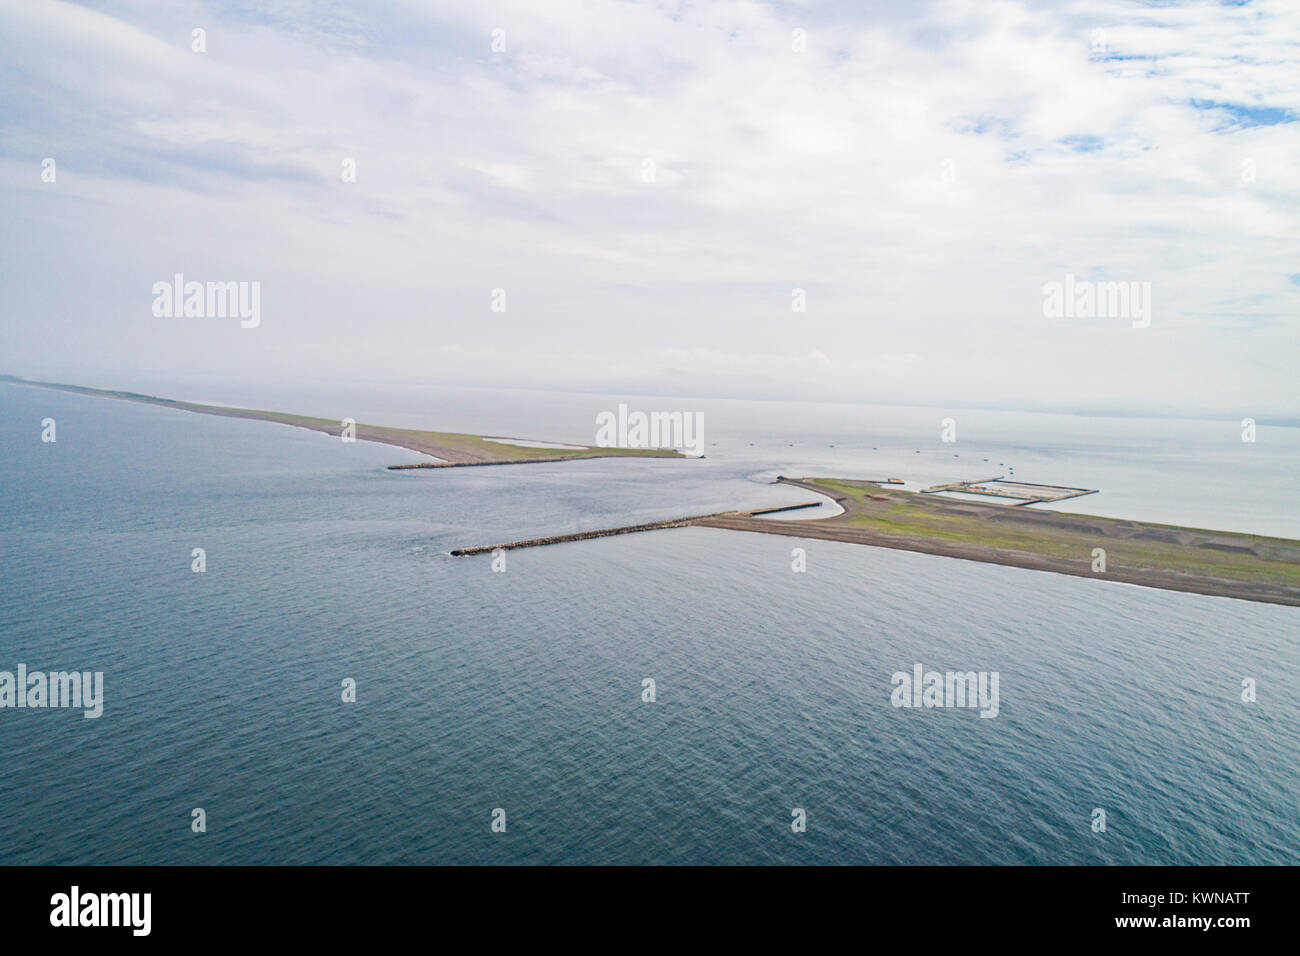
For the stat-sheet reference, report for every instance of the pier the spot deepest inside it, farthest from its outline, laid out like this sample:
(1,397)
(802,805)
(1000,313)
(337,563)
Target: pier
(626,529)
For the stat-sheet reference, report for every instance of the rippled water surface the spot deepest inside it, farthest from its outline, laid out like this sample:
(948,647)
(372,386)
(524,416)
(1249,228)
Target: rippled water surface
(522,690)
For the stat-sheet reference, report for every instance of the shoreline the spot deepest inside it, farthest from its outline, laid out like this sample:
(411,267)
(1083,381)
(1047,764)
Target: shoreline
(452,449)
(1168,557)
(880,514)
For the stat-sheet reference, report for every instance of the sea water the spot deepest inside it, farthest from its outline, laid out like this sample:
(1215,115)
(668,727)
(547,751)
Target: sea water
(523,689)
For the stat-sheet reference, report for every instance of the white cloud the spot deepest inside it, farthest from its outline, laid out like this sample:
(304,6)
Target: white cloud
(920,172)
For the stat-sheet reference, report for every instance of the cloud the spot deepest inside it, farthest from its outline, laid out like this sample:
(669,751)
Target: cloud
(651,182)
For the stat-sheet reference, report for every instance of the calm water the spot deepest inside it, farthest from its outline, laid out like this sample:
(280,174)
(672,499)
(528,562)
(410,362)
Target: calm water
(521,690)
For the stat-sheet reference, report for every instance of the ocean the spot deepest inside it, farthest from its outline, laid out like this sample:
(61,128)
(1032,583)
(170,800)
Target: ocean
(522,690)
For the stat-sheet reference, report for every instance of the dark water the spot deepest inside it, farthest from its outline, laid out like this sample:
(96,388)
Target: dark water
(522,690)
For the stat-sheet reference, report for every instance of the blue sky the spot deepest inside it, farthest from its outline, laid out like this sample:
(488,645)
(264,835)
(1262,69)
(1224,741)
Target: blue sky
(919,170)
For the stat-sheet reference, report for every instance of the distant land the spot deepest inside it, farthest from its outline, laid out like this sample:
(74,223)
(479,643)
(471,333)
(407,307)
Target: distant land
(1222,563)
(452,448)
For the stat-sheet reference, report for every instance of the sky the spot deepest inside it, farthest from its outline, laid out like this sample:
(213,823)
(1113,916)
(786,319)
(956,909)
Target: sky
(845,201)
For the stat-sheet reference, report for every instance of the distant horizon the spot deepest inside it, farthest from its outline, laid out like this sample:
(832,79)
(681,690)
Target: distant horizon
(1078,411)
(1086,205)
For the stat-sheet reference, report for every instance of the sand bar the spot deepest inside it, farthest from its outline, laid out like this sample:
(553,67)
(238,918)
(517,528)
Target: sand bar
(451,448)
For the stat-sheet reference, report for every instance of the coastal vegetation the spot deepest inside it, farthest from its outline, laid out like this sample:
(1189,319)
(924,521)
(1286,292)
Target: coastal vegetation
(1254,567)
